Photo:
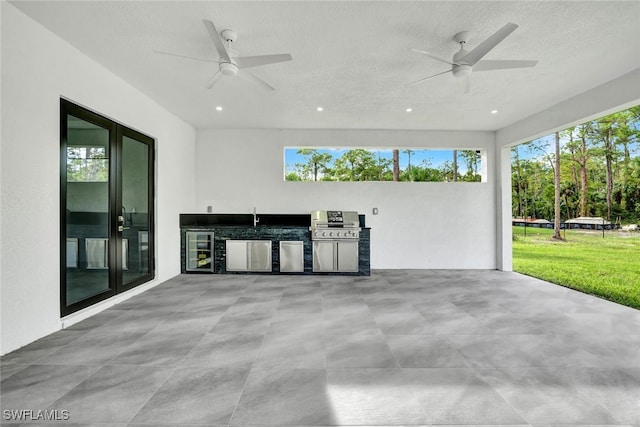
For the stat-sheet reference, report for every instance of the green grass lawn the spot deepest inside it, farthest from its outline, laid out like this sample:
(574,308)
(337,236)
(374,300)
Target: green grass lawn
(609,267)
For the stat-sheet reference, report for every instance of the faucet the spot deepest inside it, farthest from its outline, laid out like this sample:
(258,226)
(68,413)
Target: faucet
(256,220)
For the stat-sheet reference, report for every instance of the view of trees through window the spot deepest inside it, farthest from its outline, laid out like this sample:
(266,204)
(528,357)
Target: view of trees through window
(379,164)
(599,164)
(87,164)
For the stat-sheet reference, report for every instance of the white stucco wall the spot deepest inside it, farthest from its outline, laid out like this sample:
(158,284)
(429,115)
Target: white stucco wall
(37,69)
(420,225)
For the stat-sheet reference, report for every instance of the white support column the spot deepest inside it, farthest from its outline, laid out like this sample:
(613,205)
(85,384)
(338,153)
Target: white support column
(504,256)
(483,166)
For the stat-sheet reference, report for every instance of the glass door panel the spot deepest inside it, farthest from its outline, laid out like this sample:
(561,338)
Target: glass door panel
(87,210)
(135,215)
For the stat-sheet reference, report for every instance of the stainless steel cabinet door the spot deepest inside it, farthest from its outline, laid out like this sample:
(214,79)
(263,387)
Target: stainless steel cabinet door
(236,255)
(259,252)
(324,256)
(292,257)
(347,257)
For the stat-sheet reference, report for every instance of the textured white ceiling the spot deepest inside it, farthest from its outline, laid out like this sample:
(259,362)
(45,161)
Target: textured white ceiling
(352,57)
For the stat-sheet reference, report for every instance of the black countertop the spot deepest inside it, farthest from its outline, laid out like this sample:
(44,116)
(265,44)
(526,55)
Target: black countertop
(269,220)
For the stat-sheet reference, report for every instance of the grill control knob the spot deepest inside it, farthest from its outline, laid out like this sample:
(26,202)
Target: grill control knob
(331,234)
(338,234)
(324,234)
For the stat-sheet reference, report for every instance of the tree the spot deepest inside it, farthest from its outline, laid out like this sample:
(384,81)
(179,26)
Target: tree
(396,165)
(604,132)
(471,159)
(357,165)
(517,181)
(455,165)
(581,154)
(556,183)
(317,162)
(408,171)
(382,167)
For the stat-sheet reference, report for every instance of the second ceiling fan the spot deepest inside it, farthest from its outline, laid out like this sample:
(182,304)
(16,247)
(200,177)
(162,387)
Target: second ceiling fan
(464,62)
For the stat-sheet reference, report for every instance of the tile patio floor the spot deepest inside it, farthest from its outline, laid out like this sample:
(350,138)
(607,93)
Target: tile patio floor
(402,347)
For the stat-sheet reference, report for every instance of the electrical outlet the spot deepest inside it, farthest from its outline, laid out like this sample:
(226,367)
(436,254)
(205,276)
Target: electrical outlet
(375,211)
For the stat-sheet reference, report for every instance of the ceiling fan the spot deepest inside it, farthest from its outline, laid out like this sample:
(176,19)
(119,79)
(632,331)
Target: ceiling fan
(464,62)
(229,63)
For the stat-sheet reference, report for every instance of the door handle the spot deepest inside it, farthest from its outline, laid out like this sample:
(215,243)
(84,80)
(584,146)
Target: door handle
(121,223)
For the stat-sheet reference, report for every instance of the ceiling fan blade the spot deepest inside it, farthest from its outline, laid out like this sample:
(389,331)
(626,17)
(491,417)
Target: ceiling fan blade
(446,61)
(463,83)
(248,75)
(214,79)
(426,78)
(483,48)
(184,56)
(217,40)
(488,65)
(255,61)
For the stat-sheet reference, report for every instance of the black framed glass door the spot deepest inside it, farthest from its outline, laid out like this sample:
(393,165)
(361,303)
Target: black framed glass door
(107,236)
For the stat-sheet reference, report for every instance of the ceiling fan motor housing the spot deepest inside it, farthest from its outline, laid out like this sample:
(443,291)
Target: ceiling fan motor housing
(228,68)
(460,68)
(461,71)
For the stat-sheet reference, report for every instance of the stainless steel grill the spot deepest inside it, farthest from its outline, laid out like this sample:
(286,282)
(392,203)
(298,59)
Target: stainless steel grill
(335,225)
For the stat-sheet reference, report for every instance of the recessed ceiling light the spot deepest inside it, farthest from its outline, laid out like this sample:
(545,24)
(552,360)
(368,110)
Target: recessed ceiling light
(408,110)
(218,108)
(494,111)
(319,109)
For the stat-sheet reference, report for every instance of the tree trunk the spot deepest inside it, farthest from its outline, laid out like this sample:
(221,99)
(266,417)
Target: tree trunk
(609,187)
(556,182)
(583,177)
(455,165)
(396,165)
(608,149)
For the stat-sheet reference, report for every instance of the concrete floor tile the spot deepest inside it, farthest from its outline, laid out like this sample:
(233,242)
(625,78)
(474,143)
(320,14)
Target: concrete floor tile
(358,351)
(425,351)
(195,395)
(112,394)
(38,386)
(285,397)
(162,348)
(224,351)
(540,397)
(373,397)
(290,352)
(460,396)
(93,348)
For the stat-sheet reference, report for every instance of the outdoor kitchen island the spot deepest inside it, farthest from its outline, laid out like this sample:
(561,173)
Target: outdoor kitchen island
(318,244)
